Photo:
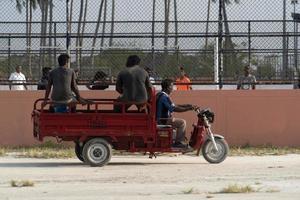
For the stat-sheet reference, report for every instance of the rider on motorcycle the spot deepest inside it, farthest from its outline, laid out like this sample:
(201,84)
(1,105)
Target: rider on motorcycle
(164,109)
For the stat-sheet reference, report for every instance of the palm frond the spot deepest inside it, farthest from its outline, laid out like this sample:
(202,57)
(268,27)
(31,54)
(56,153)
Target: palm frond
(227,1)
(19,5)
(34,4)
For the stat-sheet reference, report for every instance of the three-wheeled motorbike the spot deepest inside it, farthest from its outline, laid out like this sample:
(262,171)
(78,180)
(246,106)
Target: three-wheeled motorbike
(96,129)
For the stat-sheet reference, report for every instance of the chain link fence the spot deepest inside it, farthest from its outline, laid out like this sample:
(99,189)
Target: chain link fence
(166,34)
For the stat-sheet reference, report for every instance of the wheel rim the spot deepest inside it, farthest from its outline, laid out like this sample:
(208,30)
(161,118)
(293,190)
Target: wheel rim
(212,153)
(97,153)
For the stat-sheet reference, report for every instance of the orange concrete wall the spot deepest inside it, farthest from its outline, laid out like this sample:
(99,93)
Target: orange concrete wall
(244,117)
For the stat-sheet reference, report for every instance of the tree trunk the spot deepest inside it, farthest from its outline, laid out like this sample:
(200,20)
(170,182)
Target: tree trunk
(229,58)
(207,23)
(42,7)
(70,25)
(50,50)
(167,13)
(176,33)
(228,42)
(96,30)
(104,23)
(153,33)
(45,31)
(176,23)
(71,17)
(29,37)
(78,33)
(112,23)
(82,33)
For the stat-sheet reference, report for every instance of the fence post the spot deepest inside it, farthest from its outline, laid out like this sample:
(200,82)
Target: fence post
(55,43)
(249,43)
(67,27)
(284,44)
(152,36)
(220,31)
(9,53)
(296,49)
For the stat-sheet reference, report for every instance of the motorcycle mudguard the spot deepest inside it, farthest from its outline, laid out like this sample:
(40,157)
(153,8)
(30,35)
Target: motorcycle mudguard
(216,136)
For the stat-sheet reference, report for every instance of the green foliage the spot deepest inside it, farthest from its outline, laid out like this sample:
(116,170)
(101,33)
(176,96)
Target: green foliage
(188,191)
(22,183)
(266,71)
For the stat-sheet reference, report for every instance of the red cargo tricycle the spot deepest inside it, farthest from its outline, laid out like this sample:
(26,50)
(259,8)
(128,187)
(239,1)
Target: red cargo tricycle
(96,129)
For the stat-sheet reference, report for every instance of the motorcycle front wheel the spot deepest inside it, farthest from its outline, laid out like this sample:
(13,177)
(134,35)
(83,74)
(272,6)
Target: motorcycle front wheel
(215,156)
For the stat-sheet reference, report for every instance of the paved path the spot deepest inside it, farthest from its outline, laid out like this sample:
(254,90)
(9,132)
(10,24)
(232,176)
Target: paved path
(137,177)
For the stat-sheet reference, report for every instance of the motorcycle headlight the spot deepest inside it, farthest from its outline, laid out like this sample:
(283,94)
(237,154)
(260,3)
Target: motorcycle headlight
(208,114)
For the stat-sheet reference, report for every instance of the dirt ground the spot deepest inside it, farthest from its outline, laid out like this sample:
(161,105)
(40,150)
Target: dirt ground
(138,177)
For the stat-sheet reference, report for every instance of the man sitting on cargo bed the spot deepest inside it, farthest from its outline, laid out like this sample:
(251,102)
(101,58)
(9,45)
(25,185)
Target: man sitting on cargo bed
(164,109)
(133,84)
(63,80)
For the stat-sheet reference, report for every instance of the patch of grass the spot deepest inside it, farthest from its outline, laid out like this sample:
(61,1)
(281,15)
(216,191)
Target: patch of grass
(46,150)
(272,190)
(50,149)
(188,191)
(262,150)
(48,153)
(2,152)
(23,183)
(235,188)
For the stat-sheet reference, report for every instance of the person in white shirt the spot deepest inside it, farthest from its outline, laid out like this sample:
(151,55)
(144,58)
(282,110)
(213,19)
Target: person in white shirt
(17,78)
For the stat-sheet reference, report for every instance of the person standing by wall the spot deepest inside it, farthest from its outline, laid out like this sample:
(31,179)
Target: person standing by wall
(183,81)
(150,73)
(247,81)
(17,78)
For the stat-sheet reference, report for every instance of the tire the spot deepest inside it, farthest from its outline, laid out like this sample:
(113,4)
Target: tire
(97,152)
(209,153)
(78,151)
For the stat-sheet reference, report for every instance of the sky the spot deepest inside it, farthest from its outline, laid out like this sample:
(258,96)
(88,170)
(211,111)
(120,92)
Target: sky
(141,10)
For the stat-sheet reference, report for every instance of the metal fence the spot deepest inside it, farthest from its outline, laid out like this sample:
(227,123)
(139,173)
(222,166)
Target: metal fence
(166,34)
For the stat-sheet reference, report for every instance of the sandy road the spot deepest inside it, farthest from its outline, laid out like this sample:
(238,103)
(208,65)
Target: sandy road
(137,177)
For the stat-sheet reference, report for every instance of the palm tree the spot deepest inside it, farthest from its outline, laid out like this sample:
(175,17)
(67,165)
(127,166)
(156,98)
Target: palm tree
(44,6)
(20,4)
(79,32)
(104,22)
(50,31)
(167,14)
(226,25)
(153,32)
(112,23)
(207,23)
(229,60)
(96,30)
(166,31)
(82,32)
(30,6)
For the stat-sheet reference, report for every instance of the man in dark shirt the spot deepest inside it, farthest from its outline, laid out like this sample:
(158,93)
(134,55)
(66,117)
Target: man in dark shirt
(247,81)
(133,83)
(164,109)
(63,80)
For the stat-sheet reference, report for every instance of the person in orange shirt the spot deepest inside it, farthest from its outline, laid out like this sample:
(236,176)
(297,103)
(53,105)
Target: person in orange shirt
(183,79)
